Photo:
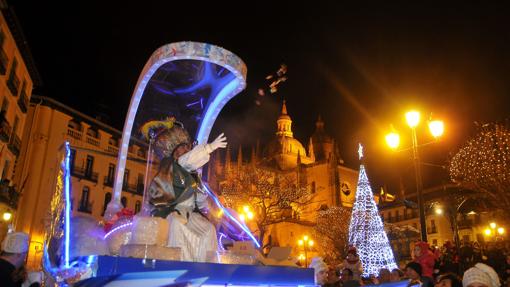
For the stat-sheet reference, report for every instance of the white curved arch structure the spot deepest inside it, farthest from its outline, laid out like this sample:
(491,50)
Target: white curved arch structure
(215,101)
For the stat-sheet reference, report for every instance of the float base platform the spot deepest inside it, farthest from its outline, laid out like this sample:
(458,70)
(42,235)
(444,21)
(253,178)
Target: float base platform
(127,271)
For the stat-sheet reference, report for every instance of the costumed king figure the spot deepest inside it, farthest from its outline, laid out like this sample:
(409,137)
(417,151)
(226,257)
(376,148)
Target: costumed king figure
(176,192)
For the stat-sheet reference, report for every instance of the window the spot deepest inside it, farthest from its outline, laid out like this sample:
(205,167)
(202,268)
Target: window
(313,187)
(107,199)
(434,242)
(111,172)
(140,184)
(92,133)
(2,38)
(72,159)
(15,125)
(89,166)
(138,206)
(13,81)
(123,201)
(5,171)
(5,105)
(126,178)
(84,201)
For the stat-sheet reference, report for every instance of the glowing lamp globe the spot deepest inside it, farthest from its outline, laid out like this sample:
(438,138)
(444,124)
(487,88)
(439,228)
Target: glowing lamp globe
(413,118)
(487,232)
(393,140)
(7,216)
(436,128)
(492,225)
(501,230)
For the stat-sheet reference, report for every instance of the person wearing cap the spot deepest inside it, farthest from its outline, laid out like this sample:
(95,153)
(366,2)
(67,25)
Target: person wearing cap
(176,191)
(12,262)
(320,270)
(414,272)
(480,275)
(448,280)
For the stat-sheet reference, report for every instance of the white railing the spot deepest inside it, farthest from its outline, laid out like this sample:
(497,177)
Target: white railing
(74,134)
(112,149)
(92,141)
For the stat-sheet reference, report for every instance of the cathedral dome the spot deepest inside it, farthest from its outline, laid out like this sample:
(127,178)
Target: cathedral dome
(284,148)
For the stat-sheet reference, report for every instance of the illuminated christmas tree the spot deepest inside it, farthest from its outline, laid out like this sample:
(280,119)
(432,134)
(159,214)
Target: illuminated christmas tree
(366,230)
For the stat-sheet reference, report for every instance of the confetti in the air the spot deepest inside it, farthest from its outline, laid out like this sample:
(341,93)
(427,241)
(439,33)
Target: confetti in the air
(274,80)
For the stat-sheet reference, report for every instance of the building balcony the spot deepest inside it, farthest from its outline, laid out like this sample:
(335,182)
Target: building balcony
(112,149)
(75,134)
(14,144)
(82,173)
(465,224)
(13,84)
(4,61)
(86,207)
(92,141)
(108,181)
(5,131)
(23,102)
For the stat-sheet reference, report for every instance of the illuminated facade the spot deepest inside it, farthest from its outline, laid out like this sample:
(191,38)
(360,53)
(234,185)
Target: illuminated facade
(472,219)
(17,77)
(318,167)
(94,150)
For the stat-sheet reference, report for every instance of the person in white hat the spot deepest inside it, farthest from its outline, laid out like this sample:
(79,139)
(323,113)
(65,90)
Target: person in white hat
(12,262)
(481,275)
(12,259)
(321,270)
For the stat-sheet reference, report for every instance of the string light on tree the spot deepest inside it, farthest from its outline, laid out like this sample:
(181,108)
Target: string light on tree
(366,231)
(483,164)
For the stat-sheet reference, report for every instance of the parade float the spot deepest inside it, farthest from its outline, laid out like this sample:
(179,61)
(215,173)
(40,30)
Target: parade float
(192,82)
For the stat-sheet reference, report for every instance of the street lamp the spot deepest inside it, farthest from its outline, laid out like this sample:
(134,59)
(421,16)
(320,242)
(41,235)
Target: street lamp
(245,213)
(307,243)
(7,216)
(494,230)
(392,139)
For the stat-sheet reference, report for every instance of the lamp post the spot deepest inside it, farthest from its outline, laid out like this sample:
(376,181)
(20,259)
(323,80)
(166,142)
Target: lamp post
(306,242)
(393,141)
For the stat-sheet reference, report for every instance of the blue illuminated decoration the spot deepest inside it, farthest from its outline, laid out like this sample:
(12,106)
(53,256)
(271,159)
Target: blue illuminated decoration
(117,228)
(214,109)
(189,80)
(67,190)
(220,244)
(230,216)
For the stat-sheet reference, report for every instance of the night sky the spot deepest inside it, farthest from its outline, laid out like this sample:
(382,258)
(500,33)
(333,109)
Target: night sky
(358,66)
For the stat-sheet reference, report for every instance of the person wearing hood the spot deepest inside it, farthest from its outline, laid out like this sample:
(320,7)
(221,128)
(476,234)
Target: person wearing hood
(425,258)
